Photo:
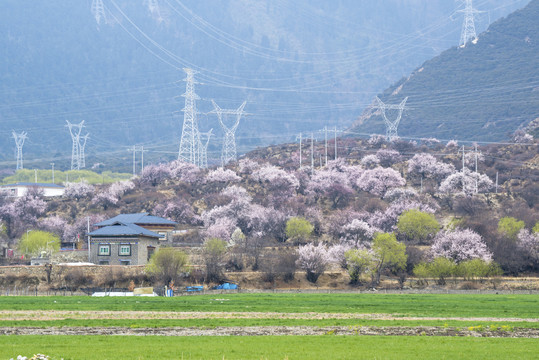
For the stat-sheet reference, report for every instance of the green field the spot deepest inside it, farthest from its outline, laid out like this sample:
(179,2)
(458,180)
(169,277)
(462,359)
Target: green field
(422,305)
(268,347)
(208,311)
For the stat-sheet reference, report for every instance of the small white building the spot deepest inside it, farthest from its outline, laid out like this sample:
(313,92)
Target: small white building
(21,188)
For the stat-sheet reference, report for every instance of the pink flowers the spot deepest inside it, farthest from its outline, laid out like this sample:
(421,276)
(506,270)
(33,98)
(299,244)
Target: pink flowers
(460,245)
(379,180)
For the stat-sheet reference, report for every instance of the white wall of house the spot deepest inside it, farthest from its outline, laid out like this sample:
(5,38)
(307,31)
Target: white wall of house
(21,190)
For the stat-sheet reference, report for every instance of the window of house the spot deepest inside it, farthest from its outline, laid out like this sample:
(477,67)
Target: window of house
(125,262)
(151,250)
(124,250)
(103,262)
(104,250)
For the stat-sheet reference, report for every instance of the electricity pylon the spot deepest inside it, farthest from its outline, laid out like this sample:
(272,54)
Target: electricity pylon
(19,141)
(468,27)
(189,142)
(98,10)
(82,146)
(153,7)
(391,126)
(75,130)
(204,148)
(229,144)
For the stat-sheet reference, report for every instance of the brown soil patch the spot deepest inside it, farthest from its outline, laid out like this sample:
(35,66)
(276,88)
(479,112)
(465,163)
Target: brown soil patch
(43,315)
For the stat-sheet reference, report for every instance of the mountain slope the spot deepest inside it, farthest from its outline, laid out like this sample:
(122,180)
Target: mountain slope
(300,66)
(484,91)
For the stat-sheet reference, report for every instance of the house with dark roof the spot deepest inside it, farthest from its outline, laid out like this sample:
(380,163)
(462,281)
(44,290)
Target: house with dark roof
(128,239)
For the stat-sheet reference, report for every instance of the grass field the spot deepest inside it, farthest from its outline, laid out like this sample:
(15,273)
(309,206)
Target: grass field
(422,305)
(264,310)
(269,347)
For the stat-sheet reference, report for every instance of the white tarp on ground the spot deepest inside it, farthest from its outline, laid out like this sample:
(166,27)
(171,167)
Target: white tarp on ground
(119,293)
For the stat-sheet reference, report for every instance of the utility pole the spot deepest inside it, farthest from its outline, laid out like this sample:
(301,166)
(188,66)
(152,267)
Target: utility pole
(142,159)
(87,234)
(326,139)
(35,176)
(468,27)
(228,152)
(19,142)
(476,185)
(392,126)
(142,151)
(463,159)
(52,172)
(496,182)
(189,142)
(300,138)
(134,150)
(312,153)
(463,174)
(335,143)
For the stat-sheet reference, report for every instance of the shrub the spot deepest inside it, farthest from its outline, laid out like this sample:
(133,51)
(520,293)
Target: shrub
(213,253)
(359,262)
(298,229)
(167,265)
(417,226)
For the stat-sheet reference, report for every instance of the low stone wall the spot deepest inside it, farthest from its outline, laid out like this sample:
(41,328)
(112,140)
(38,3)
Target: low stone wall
(34,278)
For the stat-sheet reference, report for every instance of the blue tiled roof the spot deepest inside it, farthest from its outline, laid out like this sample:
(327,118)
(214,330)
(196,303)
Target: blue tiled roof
(34,184)
(140,218)
(120,229)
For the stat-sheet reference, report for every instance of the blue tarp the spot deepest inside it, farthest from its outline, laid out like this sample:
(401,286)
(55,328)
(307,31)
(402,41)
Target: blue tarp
(226,286)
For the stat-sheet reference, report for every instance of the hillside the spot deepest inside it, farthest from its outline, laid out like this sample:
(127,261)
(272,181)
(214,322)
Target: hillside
(484,91)
(299,65)
(365,191)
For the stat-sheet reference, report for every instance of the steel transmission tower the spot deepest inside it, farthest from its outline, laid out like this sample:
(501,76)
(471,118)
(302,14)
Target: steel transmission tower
(82,146)
(468,27)
(75,130)
(190,142)
(98,11)
(153,6)
(204,148)
(229,143)
(391,126)
(19,141)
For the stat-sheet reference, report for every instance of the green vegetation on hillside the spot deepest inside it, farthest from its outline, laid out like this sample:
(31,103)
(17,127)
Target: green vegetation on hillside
(61,177)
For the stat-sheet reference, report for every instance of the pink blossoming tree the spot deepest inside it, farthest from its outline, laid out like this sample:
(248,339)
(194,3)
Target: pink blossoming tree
(313,260)
(460,245)
(378,181)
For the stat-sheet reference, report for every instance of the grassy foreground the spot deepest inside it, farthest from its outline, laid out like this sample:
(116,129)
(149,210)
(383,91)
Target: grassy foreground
(422,305)
(268,347)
